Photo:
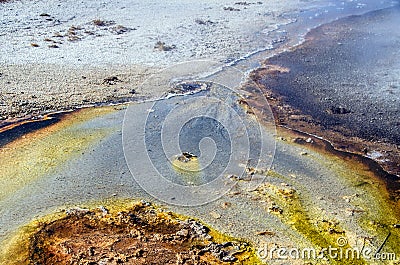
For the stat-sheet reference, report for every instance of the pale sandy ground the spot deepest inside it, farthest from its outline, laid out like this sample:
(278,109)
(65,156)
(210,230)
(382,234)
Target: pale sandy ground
(37,79)
(74,55)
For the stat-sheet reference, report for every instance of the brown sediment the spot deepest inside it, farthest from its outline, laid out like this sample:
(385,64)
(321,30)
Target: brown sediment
(138,234)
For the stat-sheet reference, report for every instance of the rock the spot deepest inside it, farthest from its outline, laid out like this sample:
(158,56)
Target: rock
(199,229)
(243,178)
(102,23)
(91,251)
(145,203)
(183,233)
(226,257)
(203,22)
(112,80)
(229,8)
(188,87)
(287,192)
(119,29)
(226,205)
(250,171)
(215,215)
(224,252)
(77,211)
(103,209)
(161,46)
(299,140)
(243,3)
(186,157)
(265,233)
(138,253)
(338,110)
(191,86)
(298,117)
(275,209)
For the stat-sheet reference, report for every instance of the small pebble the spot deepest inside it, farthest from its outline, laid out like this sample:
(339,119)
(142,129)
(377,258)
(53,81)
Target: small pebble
(215,215)
(265,233)
(226,205)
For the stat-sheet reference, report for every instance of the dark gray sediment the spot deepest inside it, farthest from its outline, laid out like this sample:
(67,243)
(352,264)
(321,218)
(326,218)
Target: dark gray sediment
(345,80)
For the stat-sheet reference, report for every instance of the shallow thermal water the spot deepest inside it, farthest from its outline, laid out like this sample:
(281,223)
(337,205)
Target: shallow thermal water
(325,187)
(308,197)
